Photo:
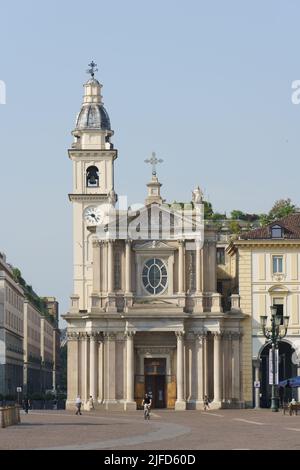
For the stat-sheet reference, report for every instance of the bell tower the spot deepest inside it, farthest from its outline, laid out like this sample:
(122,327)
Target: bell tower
(93,156)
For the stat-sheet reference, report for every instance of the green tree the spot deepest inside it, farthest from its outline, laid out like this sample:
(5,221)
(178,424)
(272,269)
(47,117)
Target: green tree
(264,219)
(237,215)
(282,208)
(216,216)
(208,210)
(234,226)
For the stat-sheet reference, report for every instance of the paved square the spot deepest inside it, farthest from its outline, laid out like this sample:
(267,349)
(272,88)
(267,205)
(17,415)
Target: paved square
(222,429)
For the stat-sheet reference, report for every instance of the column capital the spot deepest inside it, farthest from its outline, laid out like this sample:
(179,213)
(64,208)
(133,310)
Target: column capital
(129,333)
(217,334)
(180,334)
(97,242)
(200,338)
(236,335)
(83,335)
(72,335)
(109,336)
(109,242)
(94,335)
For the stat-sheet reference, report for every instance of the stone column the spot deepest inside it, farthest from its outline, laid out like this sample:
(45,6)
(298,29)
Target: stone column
(111,301)
(181,267)
(73,369)
(85,367)
(96,267)
(128,292)
(227,366)
(198,267)
(257,377)
(206,365)
(199,344)
(212,265)
(127,266)
(180,402)
(105,270)
(93,367)
(298,389)
(110,267)
(217,368)
(236,366)
(110,370)
(130,403)
(198,297)
(100,371)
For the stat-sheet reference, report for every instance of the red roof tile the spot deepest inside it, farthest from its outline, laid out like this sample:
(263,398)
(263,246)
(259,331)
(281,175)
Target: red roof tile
(290,225)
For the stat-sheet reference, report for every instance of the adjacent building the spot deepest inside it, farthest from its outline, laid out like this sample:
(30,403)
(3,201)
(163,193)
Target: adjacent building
(11,330)
(29,337)
(267,263)
(53,309)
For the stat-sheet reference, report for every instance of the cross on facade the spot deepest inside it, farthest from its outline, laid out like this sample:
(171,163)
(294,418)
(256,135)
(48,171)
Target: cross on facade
(153,161)
(92,69)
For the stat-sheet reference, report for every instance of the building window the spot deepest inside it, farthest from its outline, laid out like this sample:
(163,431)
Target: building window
(277,264)
(92,177)
(276,231)
(154,276)
(278,303)
(220,255)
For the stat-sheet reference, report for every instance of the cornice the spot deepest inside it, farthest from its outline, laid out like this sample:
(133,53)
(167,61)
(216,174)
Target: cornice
(91,154)
(88,197)
(267,242)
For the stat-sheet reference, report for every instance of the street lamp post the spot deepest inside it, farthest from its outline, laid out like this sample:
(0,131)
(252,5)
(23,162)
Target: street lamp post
(274,334)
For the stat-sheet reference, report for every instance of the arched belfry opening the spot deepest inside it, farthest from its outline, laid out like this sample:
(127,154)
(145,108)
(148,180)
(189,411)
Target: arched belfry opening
(92,177)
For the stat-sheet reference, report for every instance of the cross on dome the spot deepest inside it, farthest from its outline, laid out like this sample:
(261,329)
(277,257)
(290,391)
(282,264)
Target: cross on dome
(153,161)
(92,69)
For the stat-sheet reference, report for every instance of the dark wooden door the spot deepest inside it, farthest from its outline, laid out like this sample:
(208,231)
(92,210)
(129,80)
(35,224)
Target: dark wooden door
(155,386)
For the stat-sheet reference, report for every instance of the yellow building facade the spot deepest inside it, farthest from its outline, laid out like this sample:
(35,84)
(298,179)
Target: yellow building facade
(268,274)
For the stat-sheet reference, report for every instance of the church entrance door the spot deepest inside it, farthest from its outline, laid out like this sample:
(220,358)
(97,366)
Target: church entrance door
(155,381)
(155,387)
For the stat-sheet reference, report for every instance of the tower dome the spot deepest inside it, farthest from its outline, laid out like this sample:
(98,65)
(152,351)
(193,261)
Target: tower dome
(93,115)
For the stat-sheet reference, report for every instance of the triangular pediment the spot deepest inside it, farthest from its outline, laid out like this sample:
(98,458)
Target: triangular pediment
(153,244)
(155,222)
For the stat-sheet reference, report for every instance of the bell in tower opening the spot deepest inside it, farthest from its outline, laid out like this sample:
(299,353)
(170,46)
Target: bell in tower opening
(92,177)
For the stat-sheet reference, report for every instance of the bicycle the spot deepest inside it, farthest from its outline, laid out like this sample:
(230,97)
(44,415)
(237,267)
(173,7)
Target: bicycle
(147,412)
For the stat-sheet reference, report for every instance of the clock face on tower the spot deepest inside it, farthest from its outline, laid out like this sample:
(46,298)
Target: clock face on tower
(92,215)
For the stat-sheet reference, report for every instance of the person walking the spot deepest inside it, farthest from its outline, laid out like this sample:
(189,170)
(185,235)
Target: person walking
(78,404)
(206,403)
(26,405)
(91,403)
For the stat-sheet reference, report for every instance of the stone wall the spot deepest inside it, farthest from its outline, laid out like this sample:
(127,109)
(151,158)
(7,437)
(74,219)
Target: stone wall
(9,415)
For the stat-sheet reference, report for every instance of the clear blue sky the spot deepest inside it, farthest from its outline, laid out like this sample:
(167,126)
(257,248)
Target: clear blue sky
(206,84)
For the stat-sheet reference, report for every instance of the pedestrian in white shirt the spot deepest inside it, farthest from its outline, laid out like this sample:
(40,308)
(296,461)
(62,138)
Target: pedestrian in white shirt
(78,404)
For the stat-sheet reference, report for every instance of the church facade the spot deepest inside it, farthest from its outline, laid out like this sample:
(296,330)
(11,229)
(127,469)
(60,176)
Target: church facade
(145,315)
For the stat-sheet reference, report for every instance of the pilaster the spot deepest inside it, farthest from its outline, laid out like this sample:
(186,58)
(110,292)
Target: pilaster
(180,403)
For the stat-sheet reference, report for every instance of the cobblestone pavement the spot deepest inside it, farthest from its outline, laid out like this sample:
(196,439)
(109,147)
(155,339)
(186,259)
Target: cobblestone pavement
(221,429)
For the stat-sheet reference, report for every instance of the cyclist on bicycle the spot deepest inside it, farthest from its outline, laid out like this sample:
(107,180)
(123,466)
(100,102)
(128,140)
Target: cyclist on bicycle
(146,403)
